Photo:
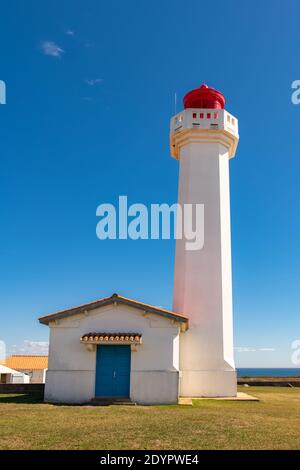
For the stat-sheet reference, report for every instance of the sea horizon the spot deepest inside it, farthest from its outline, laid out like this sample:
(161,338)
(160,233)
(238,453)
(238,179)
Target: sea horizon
(268,371)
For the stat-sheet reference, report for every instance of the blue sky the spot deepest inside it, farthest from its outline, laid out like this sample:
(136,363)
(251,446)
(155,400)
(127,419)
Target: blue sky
(90,91)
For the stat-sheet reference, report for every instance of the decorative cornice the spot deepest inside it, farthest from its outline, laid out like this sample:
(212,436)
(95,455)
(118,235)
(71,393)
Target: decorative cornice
(188,136)
(111,338)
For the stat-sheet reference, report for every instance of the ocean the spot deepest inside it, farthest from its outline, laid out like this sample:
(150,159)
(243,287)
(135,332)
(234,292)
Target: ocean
(267,372)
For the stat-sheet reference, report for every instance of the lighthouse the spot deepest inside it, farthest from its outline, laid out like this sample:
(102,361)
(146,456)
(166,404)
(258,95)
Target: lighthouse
(203,138)
(116,348)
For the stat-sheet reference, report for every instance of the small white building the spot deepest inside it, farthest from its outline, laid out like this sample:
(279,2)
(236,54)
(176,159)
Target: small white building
(35,366)
(10,376)
(114,347)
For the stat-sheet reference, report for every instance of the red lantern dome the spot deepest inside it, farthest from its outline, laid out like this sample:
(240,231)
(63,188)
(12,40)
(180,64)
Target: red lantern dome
(204,97)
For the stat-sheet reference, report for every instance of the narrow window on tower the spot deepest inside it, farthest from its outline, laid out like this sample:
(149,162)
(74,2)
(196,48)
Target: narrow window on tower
(208,115)
(201,115)
(194,115)
(216,115)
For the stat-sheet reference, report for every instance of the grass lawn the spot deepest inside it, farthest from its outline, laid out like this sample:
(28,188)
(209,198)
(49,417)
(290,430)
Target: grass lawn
(272,423)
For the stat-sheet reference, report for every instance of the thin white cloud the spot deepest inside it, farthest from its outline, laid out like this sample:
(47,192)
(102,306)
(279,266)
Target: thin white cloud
(94,81)
(69,32)
(35,348)
(266,349)
(2,350)
(243,349)
(246,349)
(89,45)
(52,49)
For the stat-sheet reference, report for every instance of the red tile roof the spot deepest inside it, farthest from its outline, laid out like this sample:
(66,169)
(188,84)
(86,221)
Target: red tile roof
(19,362)
(103,338)
(115,298)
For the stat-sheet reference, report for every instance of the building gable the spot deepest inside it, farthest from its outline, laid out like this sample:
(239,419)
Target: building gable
(117,300)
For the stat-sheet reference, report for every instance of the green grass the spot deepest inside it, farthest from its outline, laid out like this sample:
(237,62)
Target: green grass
(271,423)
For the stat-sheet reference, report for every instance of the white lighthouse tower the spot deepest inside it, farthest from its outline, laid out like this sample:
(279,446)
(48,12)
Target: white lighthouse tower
(204,137)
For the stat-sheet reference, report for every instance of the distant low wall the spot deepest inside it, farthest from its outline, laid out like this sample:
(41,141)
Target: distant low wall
(270,381)
(28,389)
(38,389)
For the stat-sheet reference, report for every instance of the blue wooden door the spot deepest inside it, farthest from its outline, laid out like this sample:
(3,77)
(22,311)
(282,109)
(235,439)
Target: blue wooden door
(113,371)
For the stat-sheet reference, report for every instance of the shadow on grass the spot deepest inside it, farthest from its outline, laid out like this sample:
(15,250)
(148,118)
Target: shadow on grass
(35,399)
(21,398)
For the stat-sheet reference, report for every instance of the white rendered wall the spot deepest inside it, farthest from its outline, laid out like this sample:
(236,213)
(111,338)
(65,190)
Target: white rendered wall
(36,376)
(19,379)
(154,364)
(202,288)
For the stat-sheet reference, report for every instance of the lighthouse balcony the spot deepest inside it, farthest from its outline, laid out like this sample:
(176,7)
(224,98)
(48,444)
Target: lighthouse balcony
(212,119)
(200,122)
